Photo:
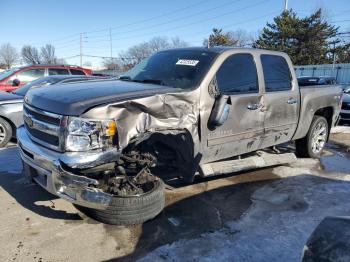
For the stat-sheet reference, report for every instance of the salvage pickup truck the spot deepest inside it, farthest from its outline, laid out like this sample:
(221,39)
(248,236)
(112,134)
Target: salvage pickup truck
(107,146)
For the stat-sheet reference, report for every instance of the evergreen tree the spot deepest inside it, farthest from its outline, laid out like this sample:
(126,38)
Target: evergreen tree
(306,40)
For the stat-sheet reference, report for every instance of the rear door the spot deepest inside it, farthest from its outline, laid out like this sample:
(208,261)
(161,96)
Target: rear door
(242,132)
(281,100)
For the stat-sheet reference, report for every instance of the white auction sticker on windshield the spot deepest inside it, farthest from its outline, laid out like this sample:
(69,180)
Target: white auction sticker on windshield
(187,62)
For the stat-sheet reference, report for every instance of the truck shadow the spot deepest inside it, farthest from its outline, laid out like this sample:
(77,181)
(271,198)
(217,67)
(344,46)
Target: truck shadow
(24,193)
(211,211)
(191,211)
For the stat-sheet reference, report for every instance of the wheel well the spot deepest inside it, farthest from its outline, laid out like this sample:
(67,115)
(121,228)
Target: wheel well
(174,149)
(13,126)
(326,112)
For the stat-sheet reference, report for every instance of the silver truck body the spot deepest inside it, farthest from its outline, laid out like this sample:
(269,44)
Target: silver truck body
(255,121)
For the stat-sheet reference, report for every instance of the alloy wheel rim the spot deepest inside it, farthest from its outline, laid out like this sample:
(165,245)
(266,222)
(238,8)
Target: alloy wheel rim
(319,138)
(2,133)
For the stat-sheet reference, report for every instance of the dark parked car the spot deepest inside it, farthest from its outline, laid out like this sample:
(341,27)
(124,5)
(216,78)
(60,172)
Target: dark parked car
(11,104)
(316,80)
(345,108)
(15,77)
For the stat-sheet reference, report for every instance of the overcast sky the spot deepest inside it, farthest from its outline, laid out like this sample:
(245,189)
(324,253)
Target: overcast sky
(61,22)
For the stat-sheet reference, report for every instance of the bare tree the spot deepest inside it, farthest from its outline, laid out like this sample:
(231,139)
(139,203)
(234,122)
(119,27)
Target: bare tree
(158,43)
(237,38)
(30,55)
(111,63)
(8,55)
(61,61)
(176,42)
(140,51)
(242,37)
(48,54)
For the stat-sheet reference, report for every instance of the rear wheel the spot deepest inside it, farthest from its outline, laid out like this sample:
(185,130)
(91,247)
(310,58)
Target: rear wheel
(313,143)
(5,132)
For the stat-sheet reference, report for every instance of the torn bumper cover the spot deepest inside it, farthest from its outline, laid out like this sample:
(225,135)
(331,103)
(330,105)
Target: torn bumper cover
(46,169)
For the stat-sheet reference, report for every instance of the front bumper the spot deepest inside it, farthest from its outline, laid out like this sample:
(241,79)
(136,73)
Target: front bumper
(45,166)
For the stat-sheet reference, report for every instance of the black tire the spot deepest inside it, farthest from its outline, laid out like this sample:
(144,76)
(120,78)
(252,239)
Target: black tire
(303,146)
(5,132)
(131,210)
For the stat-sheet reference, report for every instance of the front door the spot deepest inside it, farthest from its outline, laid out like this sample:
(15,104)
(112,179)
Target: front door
(243,130)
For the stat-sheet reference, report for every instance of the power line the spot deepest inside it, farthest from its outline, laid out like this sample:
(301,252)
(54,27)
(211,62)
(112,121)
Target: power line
(200,32)
(177,19)
(151,18)
(189,24)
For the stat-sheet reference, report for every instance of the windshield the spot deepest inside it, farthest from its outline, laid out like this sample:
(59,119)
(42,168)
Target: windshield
(7,73)
(37,83)
(174,68)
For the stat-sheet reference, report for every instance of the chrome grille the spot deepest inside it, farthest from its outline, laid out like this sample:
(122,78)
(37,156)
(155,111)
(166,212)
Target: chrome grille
(45,128)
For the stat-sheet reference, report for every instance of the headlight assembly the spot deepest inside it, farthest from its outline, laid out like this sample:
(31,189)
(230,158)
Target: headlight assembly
(86,134)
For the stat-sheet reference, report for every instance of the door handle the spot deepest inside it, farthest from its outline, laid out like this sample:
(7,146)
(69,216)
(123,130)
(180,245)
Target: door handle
(253,106)
(291,101)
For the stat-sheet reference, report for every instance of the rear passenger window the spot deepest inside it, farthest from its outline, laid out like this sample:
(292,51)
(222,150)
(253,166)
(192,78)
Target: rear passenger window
(276,73)
(58,71)
(76,72)
(238,75)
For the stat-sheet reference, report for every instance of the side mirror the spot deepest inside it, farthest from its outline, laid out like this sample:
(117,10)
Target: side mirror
(213,89)
(220,112)
(16,82)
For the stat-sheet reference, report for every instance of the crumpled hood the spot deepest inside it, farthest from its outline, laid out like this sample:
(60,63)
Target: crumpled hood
(76,98)
(6,97)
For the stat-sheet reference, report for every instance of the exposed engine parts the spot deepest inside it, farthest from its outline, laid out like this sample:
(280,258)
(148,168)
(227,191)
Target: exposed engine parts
(132,175)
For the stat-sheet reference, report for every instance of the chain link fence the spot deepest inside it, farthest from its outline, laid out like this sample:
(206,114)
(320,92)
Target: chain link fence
(341,72)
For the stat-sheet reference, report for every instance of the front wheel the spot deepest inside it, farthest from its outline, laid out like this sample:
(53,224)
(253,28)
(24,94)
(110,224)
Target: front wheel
(5,132)
(313,143)
(132,209)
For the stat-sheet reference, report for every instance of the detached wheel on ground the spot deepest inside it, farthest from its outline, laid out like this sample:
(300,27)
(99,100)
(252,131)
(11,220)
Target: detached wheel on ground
(312,144)
(131,210)
(5,132)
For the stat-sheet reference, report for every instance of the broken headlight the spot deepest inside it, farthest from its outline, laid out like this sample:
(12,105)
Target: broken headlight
(85,134)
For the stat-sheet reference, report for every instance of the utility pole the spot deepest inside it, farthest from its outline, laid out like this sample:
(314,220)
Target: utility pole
(81,49)
(285,5)
(110,42)
(111,46)
(334,55)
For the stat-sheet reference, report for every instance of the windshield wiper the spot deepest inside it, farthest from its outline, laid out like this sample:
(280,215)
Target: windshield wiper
(145,81)
(125,78)
(151,81)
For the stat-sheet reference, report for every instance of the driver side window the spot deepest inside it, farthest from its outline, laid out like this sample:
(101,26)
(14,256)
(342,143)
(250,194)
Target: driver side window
(238,75)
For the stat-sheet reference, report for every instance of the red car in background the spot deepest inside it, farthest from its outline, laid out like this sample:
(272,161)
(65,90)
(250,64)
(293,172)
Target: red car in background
(15,77)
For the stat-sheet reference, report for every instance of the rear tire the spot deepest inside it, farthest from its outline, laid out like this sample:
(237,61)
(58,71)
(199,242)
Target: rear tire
(5,132)
(131,210)
(312,144)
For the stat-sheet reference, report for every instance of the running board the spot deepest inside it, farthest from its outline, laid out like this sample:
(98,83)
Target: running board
(264,159)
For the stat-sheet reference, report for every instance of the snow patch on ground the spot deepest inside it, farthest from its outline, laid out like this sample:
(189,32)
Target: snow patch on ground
(340,129)
(276,226)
